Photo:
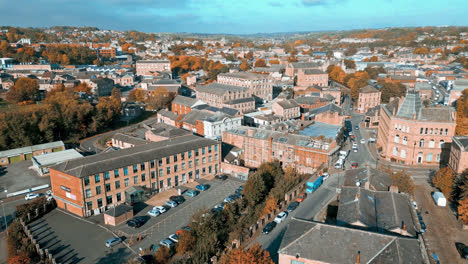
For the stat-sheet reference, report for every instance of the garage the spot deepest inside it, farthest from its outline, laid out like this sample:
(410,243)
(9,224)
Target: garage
(14,159)
(28,156)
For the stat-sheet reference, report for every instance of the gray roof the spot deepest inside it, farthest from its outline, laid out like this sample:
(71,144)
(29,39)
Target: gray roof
(310,99)
(30,149)
(99,163)
(241,100)
(119,210)
(462,142)
(368,89)
(56,157)
(419,86)
(194,115)
(287,104)
(168,131)
(379,180)
(153,61)
(184,100)
(375,209)
(245,75)
(314,71)
(129,139)
(411,106)
(305,65)
(335,244)
(219,88)
(168,114)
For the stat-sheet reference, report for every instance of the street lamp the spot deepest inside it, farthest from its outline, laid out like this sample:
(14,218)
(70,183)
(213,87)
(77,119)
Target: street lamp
(4,215)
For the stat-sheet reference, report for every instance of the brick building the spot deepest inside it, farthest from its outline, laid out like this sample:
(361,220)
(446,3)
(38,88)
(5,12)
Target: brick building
(92,184)
(459,154)
(369,97)
(298,151)
(293,68)
(26,153)
(182,105)
(311,77)
(424,90)
(217,94)
(259,85)
(286,109)
(412,134)
(148,67)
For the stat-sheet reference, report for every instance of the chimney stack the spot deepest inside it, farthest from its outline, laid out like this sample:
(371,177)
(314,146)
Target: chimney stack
(356,197)
(358,257)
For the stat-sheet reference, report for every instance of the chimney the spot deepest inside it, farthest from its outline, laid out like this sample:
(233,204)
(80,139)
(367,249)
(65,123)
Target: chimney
(356,198)
(404,227)
(358,257)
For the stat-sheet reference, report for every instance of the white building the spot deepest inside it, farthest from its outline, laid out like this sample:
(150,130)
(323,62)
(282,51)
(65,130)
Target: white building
(214,126)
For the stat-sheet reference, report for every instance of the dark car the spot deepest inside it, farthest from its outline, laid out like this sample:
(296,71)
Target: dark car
(292,206)
(136,222)
(269,227)
(203,187)
(178,199)
(221,177)
(462,249)
(423,227)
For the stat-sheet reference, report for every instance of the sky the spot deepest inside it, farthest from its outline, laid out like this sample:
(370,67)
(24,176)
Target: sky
(233,16)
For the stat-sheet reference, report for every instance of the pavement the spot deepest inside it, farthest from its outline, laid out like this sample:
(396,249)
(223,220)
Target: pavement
(310,208)
(19,177)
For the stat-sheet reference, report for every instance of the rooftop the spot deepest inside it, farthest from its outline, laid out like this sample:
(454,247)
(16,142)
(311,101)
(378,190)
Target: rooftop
(462,142)
(219,88)
(245,75)
(56,157)
(30,149)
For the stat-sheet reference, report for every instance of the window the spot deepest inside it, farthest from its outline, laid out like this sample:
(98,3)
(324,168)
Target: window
(168,170)
(183,177)
(209,169)
(438,157)
(109,199)
(190,175)
(135,179)
(203,171)
(189,154)
(203,151)
(160,172)
(426,131)
(108,188)
(446,131)
(190,164)
(183,165)
(441,131)
(125,171)
(397,139)
(197,153)
(106,175)
(175,158)
(88,193)
(405,141)
(161,184)
(97,178)
(119,197)
(98,190)
(209,149)
(216,168)
(421,143)
(168,182)
(168,160)
(431,131)
(126,182)
(431,143)
(89,205)
(135,168)
(116,173)
(216,148)
(421,131)
(395,151)
(182,156)
(99,202)
(142,166)
(441,144)
(293,261)
(203,160)
(403,153)
(216,156)
(152,164)
(176,180)
(86,181)
(209,159)
(117,184)
(143,177)
(160,162)
(153,174)
(197,162)
(429,157)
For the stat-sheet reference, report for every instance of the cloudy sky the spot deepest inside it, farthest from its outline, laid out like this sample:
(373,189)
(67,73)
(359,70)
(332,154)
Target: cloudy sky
(233,16)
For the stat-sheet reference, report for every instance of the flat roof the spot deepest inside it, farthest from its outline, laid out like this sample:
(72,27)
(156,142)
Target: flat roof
(30,149)
(56,157)
(318,129)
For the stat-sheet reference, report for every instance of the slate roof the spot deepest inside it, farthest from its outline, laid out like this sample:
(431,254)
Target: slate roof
(99,163)
(30,149)
(462,142)
(335,244)
(375,209)
(168,114)
(379,181)
(184,100)
(314,71)
(56,157)
(119,210)
(329,107)
(245,75)
(411,105)
(194,115)
(368,89)
(304,65)
(420,86)
(240,101)
(219,89)
(309,99)
(129,139)
(287,104)
(168,131)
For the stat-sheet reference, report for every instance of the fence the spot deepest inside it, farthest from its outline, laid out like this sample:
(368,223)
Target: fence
(43,253)
(33,189)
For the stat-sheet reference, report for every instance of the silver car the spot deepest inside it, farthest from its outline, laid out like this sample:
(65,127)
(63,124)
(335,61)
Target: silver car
(171,203)
(113,241)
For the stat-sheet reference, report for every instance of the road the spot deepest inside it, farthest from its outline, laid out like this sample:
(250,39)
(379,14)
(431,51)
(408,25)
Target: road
(309,209)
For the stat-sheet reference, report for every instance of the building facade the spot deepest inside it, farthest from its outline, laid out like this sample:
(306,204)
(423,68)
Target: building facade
(369,97)
(286,109)
(148,67)
(92,184)
(259,85)
(409,133)
(216,94)
(311,77)
(459,154)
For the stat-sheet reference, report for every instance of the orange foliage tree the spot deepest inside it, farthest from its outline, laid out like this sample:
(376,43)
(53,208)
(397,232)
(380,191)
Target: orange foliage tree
(260,63)
(244,66)
(137,95)
(254,255)
(83,87)
(25,89)
(462,114)
(463,210)
(421,51)
(443,179)
(271,204)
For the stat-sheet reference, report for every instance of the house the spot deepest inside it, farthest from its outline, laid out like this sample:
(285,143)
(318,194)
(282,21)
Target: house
(369,97)
(459,154)
(182,105)
(215,125)
(368,178)
(103,87)
(286,109)
(311,77)
(293,67)
(259,85)
(216,94)
(41,163)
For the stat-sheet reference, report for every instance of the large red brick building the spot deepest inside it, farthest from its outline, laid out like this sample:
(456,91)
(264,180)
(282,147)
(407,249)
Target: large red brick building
(93,184)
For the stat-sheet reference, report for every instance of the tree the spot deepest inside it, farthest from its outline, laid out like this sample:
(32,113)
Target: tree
(107,110)
(462,114)
(270,205)
(260,63)
(392,89)
(403,181)
(254,189)
(162,255)
(254,255)
(443,179)
(137,95)
(83,87)
(463,210)
(159,98)
(186,242)
(350,51)
(25,89)
(115,93)
(421,51)
(350,64)
(20,259)
(244,66)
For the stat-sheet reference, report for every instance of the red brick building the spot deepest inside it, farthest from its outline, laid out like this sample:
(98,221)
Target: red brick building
(311,77)
(369,97)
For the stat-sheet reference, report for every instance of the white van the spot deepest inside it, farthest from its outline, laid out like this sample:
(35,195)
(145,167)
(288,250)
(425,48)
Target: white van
(339,164)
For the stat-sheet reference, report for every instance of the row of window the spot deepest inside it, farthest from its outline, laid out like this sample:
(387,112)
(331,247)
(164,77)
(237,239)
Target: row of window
(422,143)
(402,154)
(142,166)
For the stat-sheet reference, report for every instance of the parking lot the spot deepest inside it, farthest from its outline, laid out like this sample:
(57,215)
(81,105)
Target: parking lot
(443,229)
(72,240)
(18,176)
(160,227)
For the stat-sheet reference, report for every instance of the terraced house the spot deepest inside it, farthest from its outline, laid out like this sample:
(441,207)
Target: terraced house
(93,184)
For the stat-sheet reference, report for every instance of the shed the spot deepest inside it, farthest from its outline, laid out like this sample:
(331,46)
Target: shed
(117,215)
(42,162)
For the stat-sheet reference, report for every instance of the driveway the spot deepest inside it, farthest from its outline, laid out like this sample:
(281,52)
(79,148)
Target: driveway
(74,240)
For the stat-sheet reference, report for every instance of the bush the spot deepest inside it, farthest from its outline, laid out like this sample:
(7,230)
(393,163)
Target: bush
(40,204)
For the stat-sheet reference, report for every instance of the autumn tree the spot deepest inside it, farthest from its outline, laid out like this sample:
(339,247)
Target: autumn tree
(107,110)
(115,93)
(443,179)
(462,114)
(350,64)
(337,74)
(159,98)
(421,51)
(162,255)
(270,205)
(244,66)
(137,95)
(463,210)
(260,63)
(403,181)
(83,87)
(274,61)
(25,89)
(20,259)
(391,89)
(186,242)
(253,255)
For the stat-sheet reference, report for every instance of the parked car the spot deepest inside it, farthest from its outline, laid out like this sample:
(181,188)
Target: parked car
(269,227)
(192,193)
(166,243)
(292,206)
(31,196)
(135,222)
(161,209)
(202,187)
(301,197)
(355,149)
(371,140)
(354,165)
(415,205)
(363,141)
(228,200)
(177,198)
(154,212)
(216,210)
(174,238)
(221,177)
(423,227)
(280,217)
(462,249)
(325,175)
(113,241)
(239,190)
(171,204)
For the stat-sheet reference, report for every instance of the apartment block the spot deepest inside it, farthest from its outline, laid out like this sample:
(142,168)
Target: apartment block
(369,97)
(93,184)
(148,67)
(259,85)
(311,77)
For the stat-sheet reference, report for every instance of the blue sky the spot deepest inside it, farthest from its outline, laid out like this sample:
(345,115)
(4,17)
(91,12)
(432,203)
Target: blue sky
(234,16)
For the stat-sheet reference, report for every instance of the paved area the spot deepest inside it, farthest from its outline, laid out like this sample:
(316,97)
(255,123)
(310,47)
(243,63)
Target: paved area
(308,209)
(18,177)
(443,229)
(74,240)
